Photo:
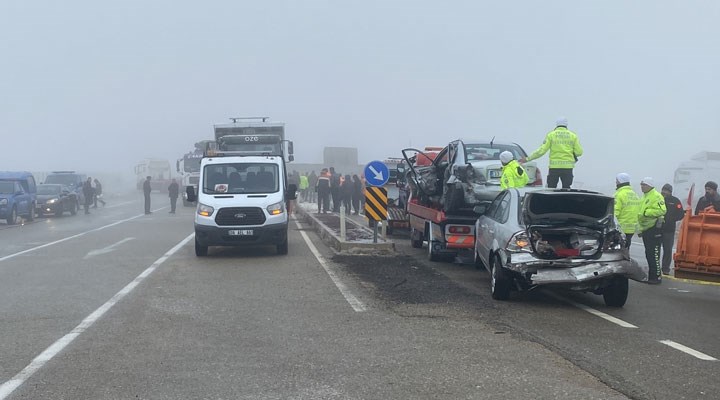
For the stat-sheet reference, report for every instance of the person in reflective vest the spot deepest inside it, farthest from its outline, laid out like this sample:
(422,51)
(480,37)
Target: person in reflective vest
(564,147)
(513,174)
(627,207)
(650,219)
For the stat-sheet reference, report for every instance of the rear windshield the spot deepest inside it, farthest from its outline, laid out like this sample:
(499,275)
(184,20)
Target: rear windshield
(67,180)
(568,205)
(486,151)
(241,178)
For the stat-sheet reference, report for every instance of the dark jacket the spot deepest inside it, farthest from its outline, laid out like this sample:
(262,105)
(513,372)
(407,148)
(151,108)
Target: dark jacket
(88,190)
(174,190)
(323,184)
(146,187)
(675,213)
(705,202)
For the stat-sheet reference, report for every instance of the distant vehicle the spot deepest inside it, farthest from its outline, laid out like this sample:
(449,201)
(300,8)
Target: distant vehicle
(560,238)
(55,199)
(188,167)
(17,196)
(702,167)
(73,180)
(159,171)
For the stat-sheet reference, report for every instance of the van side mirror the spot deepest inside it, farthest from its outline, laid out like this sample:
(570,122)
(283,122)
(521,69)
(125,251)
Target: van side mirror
(190,192)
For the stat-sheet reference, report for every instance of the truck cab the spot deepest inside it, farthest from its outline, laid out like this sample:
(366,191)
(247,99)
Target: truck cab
(243,190)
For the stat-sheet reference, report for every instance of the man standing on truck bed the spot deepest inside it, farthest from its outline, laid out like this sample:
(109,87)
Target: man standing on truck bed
(565,149)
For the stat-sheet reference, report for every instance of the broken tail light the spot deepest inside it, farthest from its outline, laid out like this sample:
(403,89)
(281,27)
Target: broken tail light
(519,242)
(614,240)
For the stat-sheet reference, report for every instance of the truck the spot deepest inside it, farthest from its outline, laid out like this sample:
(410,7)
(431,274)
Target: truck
(444,187)
(188,168)
(243,188)
(156,168)
(690,176)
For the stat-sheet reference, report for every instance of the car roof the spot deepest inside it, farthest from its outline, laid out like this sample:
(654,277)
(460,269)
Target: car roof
(14,175)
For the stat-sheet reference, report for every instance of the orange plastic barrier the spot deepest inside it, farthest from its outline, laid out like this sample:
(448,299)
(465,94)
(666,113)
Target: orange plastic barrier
(698,248)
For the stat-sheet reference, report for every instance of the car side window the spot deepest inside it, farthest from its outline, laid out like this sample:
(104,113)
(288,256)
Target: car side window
(502,212)
(493,206)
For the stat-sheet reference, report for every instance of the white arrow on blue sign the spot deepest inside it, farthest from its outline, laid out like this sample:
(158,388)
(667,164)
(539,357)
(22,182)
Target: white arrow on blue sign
(376,173)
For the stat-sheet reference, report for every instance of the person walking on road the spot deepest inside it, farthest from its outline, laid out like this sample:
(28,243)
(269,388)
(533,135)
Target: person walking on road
(98,193)
(627,207)
(650,219)
(675,213)
(322,187)
(146,191)
(564,147)
(711,198)
(357,194)
(173,193)
(89,194)
(513,174)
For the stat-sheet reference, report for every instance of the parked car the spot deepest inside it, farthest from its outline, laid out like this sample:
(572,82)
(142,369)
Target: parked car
(55,199)
(71,179)
(562,238)
(17,196)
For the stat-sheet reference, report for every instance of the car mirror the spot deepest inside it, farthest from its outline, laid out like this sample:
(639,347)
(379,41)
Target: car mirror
(190,191)
(480,209)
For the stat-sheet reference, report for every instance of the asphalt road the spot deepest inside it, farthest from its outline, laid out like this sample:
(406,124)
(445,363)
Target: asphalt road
(115,305)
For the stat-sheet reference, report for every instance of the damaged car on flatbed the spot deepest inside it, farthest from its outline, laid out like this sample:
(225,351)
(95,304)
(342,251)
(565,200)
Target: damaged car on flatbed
(554,238)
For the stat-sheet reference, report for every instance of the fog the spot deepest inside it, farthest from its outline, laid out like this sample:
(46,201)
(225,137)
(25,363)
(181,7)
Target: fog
(98,86)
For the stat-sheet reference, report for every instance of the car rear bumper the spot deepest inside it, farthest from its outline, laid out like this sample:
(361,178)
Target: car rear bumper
(542,272)
(263,235)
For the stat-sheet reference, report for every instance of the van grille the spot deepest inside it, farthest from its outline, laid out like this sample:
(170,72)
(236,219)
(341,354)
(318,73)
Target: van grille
(240,216)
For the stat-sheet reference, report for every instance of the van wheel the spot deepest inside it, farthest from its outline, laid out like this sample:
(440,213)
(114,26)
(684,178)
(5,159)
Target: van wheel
(12,217)
(416,238)
(31,214)
(499,281)
(282,248)
(616,294)
(200,251)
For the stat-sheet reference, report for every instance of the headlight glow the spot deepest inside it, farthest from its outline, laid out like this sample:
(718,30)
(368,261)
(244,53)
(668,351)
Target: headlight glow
(205,210)
(277,208)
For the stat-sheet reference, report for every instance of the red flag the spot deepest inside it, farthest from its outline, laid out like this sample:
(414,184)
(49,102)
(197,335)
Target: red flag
(690,196)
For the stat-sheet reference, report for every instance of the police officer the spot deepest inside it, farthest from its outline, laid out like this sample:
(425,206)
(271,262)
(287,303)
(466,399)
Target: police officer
(675,213)
(565,149)
(627,206)
(513,174)
(650,219)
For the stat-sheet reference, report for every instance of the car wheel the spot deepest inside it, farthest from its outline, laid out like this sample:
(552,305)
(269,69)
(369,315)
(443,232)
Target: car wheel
(12,217)
(416,239)
(282,248)
(616,294)
(200,250)
(31,214)
(499,281)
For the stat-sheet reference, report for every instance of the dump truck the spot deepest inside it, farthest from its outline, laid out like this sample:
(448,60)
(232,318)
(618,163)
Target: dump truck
(697,255)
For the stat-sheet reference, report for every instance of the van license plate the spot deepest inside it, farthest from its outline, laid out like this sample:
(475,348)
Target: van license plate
(240,232)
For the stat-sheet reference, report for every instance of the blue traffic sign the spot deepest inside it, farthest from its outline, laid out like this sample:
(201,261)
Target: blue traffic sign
(376,173)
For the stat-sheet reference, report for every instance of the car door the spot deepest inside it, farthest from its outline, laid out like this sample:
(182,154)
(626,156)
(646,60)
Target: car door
(485,229)
(22,199)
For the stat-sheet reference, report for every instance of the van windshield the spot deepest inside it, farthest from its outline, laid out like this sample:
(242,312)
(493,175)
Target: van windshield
(7,187)
(241,178)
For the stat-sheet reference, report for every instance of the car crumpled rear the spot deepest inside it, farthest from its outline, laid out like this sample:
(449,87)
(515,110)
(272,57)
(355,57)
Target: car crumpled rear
(571,237)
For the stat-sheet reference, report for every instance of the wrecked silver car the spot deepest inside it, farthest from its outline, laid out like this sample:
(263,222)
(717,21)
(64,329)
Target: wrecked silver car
(463,173)
(561,238)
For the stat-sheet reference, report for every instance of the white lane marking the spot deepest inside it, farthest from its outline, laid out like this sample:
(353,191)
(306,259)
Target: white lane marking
(38,362)
(73,236)
(356,304)
(592,311)
(108,249)
(685,349)
(120,204)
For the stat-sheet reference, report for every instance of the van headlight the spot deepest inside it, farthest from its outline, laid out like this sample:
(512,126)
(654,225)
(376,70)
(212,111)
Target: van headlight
(3,202)
(277,208)
(205,210)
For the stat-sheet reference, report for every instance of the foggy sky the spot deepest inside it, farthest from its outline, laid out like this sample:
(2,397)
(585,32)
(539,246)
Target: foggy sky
(100,85)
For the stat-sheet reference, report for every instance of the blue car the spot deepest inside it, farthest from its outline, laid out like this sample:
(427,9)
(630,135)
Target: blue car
(17,196)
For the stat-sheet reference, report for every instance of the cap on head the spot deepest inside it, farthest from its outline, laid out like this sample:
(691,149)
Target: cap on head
(622,178)
(712,185)
(667,188)
(506,157)
(561,121)
(647,181)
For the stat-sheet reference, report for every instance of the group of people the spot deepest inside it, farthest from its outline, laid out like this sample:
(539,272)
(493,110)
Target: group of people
(92,191)
(344,191)
(653,217)
(173,193)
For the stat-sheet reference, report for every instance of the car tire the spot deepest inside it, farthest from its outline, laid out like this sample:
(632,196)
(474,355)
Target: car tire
(12,217)
(200,250)
(31,214)
(282,248)
(416,239)
(616,294)
(499,281)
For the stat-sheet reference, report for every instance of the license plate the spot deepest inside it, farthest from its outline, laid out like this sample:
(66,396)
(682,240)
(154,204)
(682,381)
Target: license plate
(494,173)
(240,232)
